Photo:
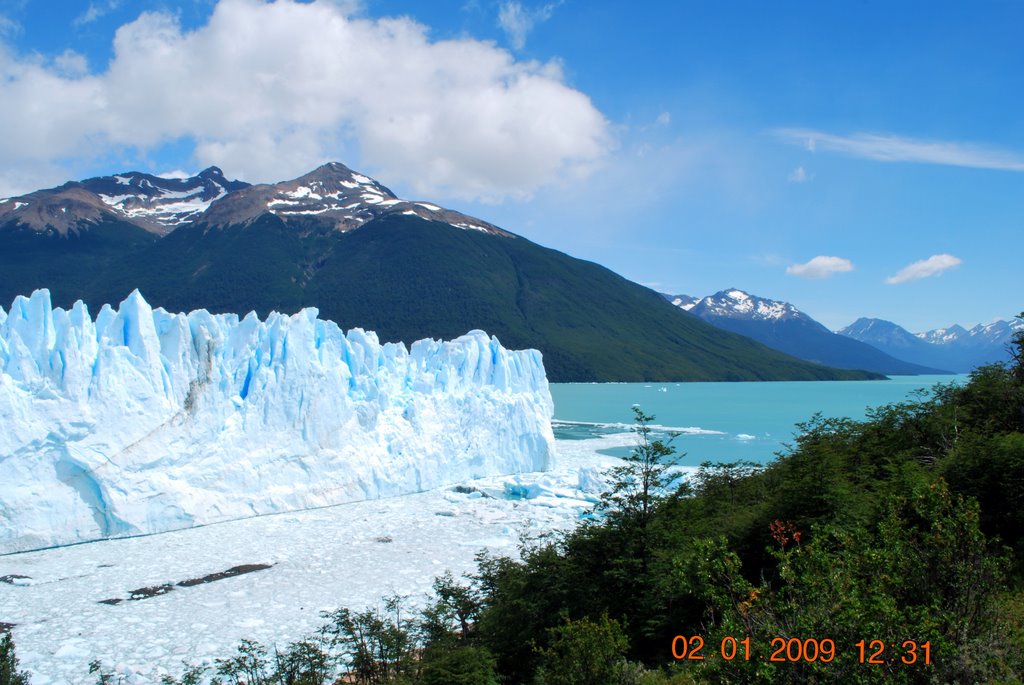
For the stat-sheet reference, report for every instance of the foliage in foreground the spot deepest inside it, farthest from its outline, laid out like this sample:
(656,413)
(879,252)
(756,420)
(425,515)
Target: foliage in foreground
(9,673)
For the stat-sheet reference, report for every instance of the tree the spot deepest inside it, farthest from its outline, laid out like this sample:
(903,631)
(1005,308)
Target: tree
(453,616)
(378,645)
(460,666)
(583,652)
(923,572)
(9,673)
(307,662)
(639,484)
(1016,346)
(247,667)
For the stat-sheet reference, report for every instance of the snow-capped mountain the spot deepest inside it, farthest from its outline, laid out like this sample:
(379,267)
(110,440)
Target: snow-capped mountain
(783,327)
(885,335)
(736,304)
(156,204)
(684,302)
(64,210)
(164,202)
(141,421)
(945,336)
(955,347)
(341,241)
(336,194)
(332,193)
(997,333)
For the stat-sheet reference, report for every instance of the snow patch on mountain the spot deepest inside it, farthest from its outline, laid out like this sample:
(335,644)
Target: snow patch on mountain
(335,193)
(737,304)
(944,336)
(954,347)
(165,203)
(141,421)
(156,204)
(684,302)
(995,333)
(332,193)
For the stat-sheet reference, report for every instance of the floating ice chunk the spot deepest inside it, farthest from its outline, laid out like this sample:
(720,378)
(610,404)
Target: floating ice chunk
(72,649)
(591,481)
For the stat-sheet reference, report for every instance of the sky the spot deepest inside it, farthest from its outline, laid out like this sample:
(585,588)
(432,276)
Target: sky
(853,158)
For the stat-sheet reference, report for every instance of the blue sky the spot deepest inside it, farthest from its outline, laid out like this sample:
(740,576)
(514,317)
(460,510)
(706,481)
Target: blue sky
(856,159)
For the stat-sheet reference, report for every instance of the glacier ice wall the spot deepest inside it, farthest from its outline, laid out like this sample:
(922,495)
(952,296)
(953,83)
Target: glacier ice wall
(142,421)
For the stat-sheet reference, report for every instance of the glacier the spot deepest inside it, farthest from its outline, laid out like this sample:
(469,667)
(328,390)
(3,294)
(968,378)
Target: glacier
(143,421)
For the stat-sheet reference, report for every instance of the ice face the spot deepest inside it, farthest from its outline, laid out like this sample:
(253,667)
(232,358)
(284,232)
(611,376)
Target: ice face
(142,421)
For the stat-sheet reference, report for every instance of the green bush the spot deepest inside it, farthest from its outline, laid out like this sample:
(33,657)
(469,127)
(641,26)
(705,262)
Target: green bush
(9,673)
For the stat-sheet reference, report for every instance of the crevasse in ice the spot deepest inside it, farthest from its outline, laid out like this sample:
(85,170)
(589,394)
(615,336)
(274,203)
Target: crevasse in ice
(142,421)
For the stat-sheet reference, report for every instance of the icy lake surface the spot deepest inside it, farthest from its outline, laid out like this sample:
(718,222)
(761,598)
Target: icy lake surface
(347,555)
(725,421)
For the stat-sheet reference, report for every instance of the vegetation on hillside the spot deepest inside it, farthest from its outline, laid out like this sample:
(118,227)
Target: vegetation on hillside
(406,279)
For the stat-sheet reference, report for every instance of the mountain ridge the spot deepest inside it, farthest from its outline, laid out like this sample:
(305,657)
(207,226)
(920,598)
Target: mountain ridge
(342,242)
(782,326)
(153,203)
(954,347)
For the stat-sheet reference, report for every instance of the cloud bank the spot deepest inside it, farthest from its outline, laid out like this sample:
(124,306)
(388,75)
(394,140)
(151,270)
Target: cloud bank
(925,268)
(890,148)
(820,267)
(270,90)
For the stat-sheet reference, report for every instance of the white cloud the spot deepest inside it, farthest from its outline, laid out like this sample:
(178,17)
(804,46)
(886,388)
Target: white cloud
(890,148)
(798,175)
(70,63)
(820,267)
(925,268)
(94,11)
(517,21)
(30,177)
(8,27)
(664,119)
(174,173)
(269,90)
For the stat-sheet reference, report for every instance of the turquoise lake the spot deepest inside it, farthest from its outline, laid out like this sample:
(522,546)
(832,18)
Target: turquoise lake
(749,421)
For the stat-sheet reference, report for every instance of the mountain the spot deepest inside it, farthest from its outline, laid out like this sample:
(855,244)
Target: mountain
(152,203)
(140,421)
(954,348)
(989,339)
(335,196)
(67,237)
(342,242)
(945,336)
(783,327)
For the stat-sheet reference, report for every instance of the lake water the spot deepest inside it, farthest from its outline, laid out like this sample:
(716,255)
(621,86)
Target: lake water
(723,421)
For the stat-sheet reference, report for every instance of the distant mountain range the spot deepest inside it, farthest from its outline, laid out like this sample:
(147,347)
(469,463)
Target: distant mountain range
(342,242)
(783,327)
(954,348)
